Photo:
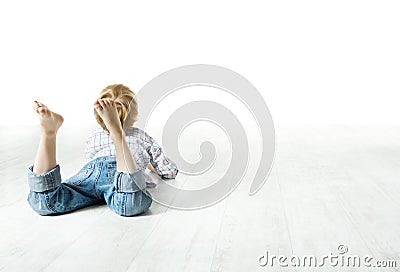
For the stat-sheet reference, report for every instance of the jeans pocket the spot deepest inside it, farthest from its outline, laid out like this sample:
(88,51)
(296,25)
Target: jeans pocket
(82,175)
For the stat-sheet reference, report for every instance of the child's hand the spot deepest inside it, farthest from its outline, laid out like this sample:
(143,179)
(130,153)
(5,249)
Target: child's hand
(107,110)
(151,168)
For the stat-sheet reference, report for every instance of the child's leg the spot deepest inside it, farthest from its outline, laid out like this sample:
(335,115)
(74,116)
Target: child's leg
(129,196)
(50,122)
(47,194)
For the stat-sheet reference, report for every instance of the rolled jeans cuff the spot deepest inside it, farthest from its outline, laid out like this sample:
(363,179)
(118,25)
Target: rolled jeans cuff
(43,182)
(130,183)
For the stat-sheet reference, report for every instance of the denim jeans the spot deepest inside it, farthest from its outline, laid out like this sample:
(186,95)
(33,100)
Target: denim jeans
(97,182)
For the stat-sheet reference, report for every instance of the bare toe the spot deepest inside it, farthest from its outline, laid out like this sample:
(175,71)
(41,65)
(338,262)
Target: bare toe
(42,110)
(49,121)
(35,105)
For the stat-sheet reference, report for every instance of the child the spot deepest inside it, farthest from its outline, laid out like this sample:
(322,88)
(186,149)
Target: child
(117,155)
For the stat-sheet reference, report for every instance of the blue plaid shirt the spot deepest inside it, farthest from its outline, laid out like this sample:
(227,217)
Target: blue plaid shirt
(144,149)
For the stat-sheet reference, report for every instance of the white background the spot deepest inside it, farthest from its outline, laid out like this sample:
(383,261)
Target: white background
(313,61)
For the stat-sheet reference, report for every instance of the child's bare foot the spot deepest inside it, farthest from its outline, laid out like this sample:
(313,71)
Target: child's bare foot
(107,110)
(50,121)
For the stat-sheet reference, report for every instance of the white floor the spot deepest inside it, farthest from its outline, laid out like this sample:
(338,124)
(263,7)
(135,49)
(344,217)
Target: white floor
(330,186)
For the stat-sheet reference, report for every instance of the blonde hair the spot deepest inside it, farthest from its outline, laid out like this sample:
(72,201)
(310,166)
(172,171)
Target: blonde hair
(125,101)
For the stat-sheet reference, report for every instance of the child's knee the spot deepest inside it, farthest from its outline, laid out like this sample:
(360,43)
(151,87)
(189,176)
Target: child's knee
(39,203)
(131,204)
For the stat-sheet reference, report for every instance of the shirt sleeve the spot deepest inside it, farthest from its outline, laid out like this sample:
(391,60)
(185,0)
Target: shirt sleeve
(164,166)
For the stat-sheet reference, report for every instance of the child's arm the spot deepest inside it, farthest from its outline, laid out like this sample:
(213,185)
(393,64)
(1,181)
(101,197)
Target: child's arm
(159,162)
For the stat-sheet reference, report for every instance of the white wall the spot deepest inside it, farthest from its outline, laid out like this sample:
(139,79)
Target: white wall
(313,61)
